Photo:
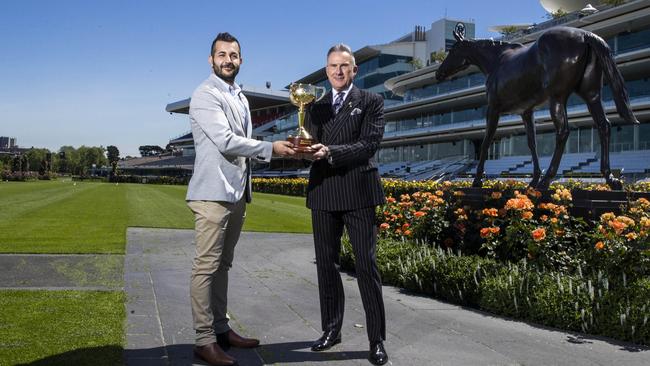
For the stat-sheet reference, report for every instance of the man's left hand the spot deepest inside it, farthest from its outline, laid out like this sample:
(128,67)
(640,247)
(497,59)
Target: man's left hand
(320,151)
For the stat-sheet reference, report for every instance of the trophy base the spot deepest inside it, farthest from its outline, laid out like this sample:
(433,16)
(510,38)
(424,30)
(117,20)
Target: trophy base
(301,144)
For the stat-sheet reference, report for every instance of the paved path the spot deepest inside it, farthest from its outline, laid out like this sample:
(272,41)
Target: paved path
(273,296)
(61,271)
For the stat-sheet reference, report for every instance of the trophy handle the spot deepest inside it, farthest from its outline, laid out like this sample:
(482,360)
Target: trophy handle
(320,92)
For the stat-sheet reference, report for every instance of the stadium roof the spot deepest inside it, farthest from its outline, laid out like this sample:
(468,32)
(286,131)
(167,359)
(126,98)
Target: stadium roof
(258,98)
(360,56)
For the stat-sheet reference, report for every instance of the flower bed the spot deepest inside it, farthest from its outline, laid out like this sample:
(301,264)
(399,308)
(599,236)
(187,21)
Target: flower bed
(521,254)
(587,301)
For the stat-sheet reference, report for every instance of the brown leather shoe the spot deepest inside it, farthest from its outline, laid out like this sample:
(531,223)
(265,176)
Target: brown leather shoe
(230,338)
(213,355)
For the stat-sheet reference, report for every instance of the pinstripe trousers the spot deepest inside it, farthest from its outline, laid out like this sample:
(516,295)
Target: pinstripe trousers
(328,229)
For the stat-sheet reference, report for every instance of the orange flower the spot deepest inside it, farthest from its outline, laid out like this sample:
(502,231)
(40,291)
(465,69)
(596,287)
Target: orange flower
(607,216)
(533,192)
(562,194)
(631,236)
(439,193)
(384,226)
(407,232)
(527,215)
(599,246)
(643,203)
(520,203)
(543,218)
(419,213)
(618,226)
(490,212)
(390,200)
(539,234)
(485,232)
(405,226)
(645,222)
(554,220)
(496,195)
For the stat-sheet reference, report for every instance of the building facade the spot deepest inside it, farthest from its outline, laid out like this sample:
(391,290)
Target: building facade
(443,123)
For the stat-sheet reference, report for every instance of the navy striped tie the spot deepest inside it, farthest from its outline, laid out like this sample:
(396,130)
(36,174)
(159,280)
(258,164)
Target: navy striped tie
(338,102)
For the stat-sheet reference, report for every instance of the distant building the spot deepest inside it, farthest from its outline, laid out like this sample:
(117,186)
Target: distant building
(7,143)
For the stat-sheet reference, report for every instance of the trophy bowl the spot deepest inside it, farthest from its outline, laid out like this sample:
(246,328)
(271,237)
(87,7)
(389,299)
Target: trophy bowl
(302,95)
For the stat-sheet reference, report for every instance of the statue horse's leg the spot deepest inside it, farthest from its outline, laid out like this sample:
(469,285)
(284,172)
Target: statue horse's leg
(491,120)
(604,131)
(557,107)
(590,92)
(529,124)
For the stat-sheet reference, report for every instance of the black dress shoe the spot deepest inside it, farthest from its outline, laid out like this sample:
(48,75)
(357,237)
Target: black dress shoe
(327,341)
(377,354)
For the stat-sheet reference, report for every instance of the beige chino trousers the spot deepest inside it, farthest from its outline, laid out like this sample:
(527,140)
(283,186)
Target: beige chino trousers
(217,229)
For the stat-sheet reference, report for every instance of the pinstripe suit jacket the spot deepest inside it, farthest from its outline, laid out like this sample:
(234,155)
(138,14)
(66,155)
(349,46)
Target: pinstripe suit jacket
(353,135)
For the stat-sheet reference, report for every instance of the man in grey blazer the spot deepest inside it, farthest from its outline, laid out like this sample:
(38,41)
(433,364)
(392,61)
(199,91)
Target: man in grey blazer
(217,195)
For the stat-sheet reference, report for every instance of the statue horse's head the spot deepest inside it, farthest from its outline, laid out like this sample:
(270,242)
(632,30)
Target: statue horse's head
(457,59)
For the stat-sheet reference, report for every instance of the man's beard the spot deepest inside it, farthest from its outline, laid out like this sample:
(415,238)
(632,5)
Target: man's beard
(222,75)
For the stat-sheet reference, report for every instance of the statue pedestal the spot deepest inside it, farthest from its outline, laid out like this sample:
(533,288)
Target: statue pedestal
(586,204)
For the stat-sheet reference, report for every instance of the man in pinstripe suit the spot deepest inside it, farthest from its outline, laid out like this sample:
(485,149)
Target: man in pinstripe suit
(344,190)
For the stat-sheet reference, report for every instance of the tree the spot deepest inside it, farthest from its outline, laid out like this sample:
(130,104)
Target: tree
(559,13)
(150,150)
(68,160)
(24,163)
(508,30)
(36,158)
(417,63)
(5,162)
(89,156)
(437,56)
(113,154)
(17,164)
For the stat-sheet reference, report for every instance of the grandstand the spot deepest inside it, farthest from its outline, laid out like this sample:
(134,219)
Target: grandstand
(447,119)
(433,129)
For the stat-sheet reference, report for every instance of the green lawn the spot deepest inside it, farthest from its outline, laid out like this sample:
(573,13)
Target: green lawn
(61,327)
(67,217)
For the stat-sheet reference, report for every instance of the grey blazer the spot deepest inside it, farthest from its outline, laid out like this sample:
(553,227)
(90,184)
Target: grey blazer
(223,144)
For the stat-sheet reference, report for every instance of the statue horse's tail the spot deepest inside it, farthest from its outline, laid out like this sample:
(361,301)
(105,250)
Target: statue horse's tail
(613,76)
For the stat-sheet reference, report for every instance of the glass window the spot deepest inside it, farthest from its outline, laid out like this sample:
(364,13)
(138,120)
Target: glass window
(584,140)
(622,138)
(633,41)
(644,136)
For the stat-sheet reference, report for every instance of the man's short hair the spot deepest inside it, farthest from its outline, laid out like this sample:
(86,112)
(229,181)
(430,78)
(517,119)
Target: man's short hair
(342,47)
(224,37)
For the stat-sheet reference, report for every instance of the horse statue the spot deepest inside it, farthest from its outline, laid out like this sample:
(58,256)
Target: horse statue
(519,78)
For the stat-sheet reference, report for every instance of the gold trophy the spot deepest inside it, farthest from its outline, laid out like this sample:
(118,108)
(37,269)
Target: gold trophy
(300,96)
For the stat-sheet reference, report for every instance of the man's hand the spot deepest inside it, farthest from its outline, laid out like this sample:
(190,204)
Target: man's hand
(320,151)
(283,148)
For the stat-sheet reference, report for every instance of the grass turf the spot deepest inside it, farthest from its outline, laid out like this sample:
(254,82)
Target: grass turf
(66,217)
(61,327)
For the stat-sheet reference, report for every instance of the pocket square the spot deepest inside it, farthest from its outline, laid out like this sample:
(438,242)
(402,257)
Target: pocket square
(355,111)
